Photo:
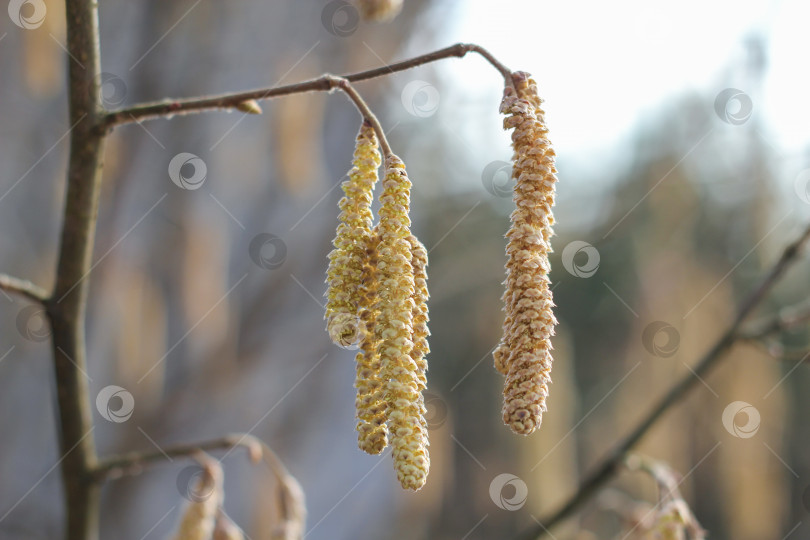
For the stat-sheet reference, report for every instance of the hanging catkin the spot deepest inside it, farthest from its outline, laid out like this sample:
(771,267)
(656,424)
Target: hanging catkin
(378,10)
(372,433)
(419,261)
(394,330)
(524,354)
(199,516)
(345,274)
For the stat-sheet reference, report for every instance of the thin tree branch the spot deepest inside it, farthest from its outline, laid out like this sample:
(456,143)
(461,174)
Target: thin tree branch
(23,287)
(133,463)
(171,107)
(786,319)
(67,314)
(346,87)
(611,464)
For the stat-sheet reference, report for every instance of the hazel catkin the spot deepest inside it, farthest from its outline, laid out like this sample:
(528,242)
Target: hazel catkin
(372,432)
(346,261)
(379,10)
(419,262)
(524,354)
(394,329)
(199,517)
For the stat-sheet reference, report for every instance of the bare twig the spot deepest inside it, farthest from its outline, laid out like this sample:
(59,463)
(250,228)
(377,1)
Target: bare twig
(610,465)
(346,87)
(290,498)
(23,287)
(67,314)
(171,107)
(786,319)
(133,463)
(671,503)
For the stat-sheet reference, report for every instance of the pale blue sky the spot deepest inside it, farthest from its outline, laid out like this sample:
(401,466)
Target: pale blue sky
(602,66)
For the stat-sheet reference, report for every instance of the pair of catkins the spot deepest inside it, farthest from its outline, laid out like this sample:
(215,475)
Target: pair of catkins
(377,292)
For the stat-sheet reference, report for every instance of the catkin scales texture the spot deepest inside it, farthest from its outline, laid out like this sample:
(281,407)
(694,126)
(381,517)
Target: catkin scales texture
(394,330)
(377,303)
(524,354)
(345,274)
(372,432)
(419,262)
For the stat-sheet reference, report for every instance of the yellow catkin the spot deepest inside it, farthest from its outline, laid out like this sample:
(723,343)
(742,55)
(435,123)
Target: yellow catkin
(524,354)
(199,516)
(419,262)
(345,273)
(225,529)
(372,432)
(394,330)
(378,10)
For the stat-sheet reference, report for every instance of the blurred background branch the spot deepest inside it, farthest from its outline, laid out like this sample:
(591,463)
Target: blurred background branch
(608,468)
(23,287)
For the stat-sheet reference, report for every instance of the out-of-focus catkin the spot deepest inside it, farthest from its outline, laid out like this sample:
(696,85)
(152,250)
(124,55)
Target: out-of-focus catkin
(378,10)
(199,516)
(345,273)
(372,433)
(394,330)
(524,354)
(225,529)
